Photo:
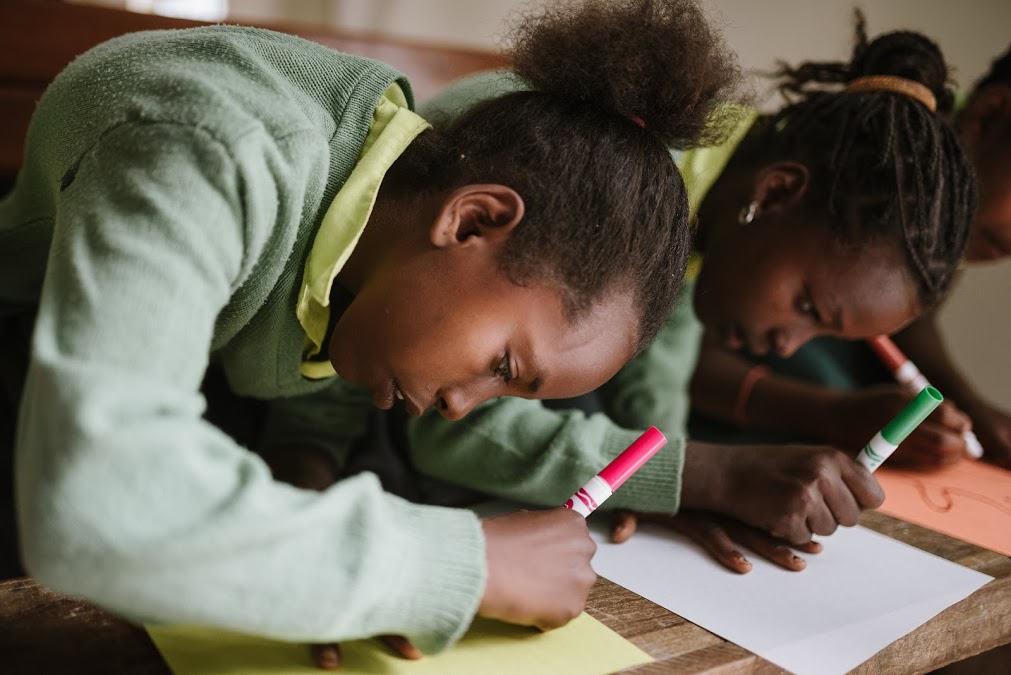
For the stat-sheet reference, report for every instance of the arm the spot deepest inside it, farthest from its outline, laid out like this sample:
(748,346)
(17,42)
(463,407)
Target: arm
(776,402)
(127,497)
(516,448)
(922,343)
(809,411)
(652,389)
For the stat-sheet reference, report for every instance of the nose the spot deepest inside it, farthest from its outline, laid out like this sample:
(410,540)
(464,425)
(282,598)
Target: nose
(785,342)
(454,403)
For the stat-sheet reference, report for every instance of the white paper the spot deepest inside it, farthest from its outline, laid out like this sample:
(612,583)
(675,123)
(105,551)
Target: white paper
(857,596)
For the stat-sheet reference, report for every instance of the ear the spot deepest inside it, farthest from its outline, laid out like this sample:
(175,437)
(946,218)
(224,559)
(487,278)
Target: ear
(477,214)
(989,109)
(779,186)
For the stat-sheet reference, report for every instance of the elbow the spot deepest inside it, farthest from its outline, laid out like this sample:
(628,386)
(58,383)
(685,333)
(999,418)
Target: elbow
(52,553)
(64,550)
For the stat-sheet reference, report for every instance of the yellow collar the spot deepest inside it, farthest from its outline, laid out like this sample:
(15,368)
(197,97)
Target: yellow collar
(394,127)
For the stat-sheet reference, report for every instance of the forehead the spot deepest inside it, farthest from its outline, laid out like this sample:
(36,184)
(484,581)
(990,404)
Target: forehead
(870,284)
(575,356)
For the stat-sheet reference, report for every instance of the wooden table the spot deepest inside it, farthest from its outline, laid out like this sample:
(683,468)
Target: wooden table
(43,632)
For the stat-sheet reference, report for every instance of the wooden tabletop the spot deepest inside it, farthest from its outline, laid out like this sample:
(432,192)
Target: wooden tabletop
(43,632)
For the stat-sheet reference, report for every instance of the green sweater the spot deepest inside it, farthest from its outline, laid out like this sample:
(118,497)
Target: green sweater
(172,186)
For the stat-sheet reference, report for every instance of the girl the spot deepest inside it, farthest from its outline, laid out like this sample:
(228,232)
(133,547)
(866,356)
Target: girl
(791,400)
(240,197)
(844,214)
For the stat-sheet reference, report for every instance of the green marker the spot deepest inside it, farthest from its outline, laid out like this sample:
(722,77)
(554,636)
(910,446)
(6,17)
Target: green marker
(885,441)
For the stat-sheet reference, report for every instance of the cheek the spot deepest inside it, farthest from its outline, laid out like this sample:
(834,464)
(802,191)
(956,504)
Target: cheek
(878,312)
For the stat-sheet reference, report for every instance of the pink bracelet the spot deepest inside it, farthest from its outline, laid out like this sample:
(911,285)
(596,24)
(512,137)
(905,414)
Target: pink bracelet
(748,382)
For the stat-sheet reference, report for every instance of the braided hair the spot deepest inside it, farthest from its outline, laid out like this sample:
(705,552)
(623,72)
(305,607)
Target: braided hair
(882,165)
(612,84)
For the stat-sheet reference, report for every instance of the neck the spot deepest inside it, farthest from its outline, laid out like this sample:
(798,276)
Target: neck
(389,228)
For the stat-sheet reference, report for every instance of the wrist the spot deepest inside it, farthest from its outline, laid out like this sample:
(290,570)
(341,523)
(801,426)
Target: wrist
(825,419)
(704,476)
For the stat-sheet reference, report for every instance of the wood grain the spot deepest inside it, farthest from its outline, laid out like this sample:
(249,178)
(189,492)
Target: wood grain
(43,632)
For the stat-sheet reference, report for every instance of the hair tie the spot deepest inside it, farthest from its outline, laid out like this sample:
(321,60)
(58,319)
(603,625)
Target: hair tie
(897,85)
(637,120)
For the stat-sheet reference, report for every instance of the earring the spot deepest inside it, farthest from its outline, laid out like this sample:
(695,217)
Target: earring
(747,213)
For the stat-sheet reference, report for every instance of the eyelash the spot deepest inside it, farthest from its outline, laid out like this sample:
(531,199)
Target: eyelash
(806,306)
(504,370)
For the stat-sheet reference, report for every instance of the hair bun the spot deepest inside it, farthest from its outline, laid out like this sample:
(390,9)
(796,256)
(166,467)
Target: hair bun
(903,54)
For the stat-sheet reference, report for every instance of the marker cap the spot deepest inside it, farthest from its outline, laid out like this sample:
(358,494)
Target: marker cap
(637,454)
(912,415)
(887,351)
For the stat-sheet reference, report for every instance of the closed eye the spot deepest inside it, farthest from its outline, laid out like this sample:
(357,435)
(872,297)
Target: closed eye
(806,306)
(503,369)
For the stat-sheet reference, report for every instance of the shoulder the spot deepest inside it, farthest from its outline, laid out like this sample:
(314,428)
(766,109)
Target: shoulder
(459,96)
(224,79)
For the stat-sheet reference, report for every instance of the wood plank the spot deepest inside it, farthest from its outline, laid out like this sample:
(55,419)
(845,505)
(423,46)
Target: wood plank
(41,631)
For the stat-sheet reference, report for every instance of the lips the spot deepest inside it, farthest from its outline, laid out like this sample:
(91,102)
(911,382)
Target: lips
(385,398)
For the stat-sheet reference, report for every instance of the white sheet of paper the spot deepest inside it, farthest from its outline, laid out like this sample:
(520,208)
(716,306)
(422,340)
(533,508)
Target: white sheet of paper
(857,596)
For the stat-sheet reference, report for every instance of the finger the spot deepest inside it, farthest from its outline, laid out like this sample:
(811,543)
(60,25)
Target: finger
(623,526)
(811,547)
(714,538)
(819,518)
(950,417)
(938,442)
(326,656)
(402,646)
(772,549)
(862,485)
(841,502)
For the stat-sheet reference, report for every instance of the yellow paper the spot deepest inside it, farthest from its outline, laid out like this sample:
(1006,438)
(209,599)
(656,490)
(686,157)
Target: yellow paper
(583,647)
(969,500)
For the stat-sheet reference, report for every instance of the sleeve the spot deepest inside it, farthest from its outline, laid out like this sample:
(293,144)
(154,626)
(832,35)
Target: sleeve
(128,498)
(519,449)
(516,448)
(331,419)
(652,389)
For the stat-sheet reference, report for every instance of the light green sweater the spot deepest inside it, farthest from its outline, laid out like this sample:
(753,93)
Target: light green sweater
(172,185)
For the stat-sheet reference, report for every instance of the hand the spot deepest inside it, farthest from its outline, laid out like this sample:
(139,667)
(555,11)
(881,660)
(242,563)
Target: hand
(303,466)
(993,429)
(717,535)
(937,442)
(791,492)
(328,656)
(539,570)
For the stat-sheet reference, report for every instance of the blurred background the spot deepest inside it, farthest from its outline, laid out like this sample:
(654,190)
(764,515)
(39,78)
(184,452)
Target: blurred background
(977,319)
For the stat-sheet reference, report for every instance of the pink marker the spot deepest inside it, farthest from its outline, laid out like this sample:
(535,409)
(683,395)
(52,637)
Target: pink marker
(908,375)
(603,485)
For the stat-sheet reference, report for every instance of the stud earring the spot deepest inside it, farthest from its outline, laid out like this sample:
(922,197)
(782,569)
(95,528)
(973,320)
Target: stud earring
(747,213)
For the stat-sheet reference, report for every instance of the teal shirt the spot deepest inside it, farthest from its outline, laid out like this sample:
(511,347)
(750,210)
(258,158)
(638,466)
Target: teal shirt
(172,186)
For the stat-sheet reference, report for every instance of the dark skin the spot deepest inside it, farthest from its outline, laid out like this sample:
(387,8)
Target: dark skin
(985,128)
(783,280)
(773,285)
(434,320)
